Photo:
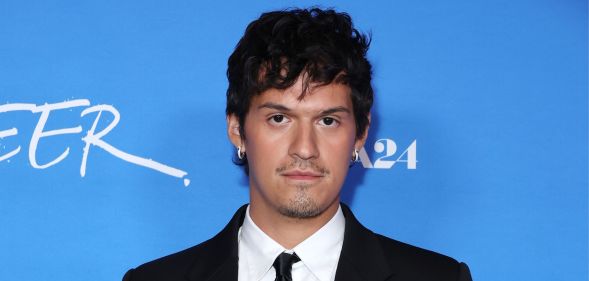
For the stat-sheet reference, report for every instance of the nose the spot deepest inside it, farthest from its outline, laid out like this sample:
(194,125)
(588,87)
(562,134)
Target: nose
(304,142)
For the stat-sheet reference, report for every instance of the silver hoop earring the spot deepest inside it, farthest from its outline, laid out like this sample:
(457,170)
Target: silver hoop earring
(356,156)
(240,154)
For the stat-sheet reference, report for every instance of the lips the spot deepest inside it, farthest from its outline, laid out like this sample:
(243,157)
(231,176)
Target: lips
(302,175)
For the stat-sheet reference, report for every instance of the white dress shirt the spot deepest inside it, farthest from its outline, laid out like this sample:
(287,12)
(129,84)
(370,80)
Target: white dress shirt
(319,253)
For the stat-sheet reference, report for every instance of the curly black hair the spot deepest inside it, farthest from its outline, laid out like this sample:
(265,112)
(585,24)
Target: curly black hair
(278,47)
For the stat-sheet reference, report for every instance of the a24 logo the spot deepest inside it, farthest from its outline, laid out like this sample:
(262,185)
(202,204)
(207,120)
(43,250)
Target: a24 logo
(385,150)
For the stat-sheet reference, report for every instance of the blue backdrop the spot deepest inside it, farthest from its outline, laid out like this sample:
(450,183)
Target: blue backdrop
(114,152)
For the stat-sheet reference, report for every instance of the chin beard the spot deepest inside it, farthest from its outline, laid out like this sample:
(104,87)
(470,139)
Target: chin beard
(302,206)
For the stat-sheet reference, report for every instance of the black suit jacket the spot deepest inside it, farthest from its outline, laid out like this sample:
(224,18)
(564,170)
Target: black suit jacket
(365,256)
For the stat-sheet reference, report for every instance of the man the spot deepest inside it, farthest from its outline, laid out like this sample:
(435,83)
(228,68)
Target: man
(298,111)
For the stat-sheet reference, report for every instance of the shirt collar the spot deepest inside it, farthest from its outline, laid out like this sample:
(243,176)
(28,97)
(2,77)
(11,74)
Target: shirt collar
(319,252)
(261,250)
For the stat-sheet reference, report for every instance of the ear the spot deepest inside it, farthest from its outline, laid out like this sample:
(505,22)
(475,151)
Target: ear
(233,131)
(360,141)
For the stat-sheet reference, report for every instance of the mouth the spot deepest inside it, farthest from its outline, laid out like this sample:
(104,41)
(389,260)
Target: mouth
(301,175)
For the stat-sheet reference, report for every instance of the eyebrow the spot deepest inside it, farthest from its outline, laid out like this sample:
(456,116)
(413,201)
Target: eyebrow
(335,110)
(275,106)
(281,107)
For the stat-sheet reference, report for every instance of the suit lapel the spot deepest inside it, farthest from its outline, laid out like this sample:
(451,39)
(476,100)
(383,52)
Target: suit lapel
(221,254)
(362,258)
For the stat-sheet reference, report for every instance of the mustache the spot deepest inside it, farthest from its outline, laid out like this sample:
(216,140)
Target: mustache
(303,165)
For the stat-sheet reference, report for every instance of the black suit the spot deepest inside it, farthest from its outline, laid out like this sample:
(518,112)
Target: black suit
(365,256)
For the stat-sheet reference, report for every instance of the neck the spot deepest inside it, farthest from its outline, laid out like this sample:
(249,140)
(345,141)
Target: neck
(288,231)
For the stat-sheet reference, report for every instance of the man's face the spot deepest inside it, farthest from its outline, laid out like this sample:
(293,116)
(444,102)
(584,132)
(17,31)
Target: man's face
(298,151)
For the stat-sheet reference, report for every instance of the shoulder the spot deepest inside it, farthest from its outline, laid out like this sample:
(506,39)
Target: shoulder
(171,267)
(414,261)
(372,252)
(204,259)
(410,254)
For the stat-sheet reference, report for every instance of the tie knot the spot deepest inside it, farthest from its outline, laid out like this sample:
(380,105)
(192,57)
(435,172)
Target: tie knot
(283,265)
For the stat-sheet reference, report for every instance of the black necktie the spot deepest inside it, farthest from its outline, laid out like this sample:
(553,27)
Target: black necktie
(283,264)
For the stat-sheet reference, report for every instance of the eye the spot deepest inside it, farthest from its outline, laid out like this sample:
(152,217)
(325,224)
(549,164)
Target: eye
(278,119)
(328,121)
